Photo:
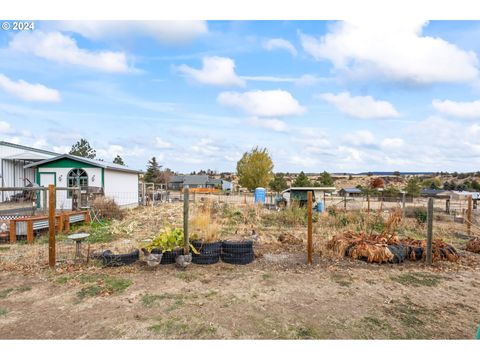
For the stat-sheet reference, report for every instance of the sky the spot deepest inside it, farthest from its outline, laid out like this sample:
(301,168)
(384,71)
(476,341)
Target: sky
(339,96)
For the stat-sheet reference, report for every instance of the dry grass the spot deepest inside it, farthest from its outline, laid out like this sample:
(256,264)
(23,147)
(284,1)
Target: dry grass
(108,208)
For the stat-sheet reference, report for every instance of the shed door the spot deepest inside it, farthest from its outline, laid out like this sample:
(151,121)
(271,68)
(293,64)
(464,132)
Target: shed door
(45,180)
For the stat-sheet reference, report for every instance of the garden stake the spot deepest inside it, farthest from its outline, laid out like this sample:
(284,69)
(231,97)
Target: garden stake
(310,228)
(429,230)
(186,200)
(51,225)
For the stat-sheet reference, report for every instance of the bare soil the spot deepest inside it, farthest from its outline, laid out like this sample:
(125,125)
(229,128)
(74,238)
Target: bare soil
(276,297)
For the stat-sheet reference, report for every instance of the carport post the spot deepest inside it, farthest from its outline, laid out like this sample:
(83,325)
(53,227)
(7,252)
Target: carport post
(429,230)
(186,201)
(310,229)
(51,225)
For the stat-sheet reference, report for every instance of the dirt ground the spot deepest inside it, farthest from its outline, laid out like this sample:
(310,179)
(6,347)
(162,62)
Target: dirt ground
(275,297)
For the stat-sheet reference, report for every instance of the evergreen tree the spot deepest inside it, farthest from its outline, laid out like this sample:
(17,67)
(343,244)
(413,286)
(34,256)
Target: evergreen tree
(302,180)
(325,179)
(278,182)
(118,160)
(153,172)
(82,148)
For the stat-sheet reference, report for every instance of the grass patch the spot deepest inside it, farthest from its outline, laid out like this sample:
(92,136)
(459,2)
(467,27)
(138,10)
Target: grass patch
(342,280)
(149,299)
(104,284)
(187,276)
(23,288)
(5,293)
(370,327)
(267,276)
(89,291)
(62,279)
(3,312)
(170,327)
(178,302)
(117,285)
(4,248)
(304,332)
(417,279)
(100,233)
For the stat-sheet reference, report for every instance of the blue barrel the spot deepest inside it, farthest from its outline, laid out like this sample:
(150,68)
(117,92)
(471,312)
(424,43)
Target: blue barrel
(260,195)
(320,206)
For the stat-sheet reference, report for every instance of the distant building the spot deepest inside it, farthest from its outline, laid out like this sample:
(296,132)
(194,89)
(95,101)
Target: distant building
(350,192)
(177,182)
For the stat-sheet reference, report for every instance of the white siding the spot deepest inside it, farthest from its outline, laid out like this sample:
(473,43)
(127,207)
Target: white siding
(63,202)
(122,187)
(13,173)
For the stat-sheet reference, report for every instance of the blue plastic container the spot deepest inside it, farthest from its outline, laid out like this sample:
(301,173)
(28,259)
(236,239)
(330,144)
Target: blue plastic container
(260,195)
(320,207)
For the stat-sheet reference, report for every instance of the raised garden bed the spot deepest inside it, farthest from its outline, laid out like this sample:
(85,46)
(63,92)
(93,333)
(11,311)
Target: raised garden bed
(237,252)
(209,252)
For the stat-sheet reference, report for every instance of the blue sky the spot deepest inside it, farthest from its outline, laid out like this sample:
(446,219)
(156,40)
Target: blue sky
(335,96)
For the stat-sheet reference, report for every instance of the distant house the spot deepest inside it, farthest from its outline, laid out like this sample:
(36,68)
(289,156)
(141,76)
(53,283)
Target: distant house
(177,182)
(350,192)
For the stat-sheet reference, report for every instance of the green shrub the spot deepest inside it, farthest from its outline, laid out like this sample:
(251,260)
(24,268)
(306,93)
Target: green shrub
(420,214)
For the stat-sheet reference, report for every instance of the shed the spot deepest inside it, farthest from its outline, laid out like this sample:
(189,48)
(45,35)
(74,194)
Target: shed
(118,182)
(350,192)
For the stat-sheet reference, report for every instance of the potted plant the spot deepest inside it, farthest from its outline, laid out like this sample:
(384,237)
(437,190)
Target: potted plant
(169,242)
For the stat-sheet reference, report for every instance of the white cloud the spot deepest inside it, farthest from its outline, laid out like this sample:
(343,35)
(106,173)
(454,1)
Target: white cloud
(271,124)
(304,80)
(360,138)
(215,71)
(268,103)
(362,107)
(63,49)
(62,149)
(5,127)
(163,31)
(273,44)
(162,144)
(395,50)
(110,152)
(467,110)
(205,147)
(27,91)
(392,143)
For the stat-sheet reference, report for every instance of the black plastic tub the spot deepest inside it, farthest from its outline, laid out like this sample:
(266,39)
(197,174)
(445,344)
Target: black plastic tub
(168,256)
(110,259)
(209,252)
(237,252)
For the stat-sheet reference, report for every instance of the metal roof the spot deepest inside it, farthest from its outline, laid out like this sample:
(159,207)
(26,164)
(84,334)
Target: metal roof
(311,188)
(195,179)
(352,190)
(27,148)
(27,156)
(98,163)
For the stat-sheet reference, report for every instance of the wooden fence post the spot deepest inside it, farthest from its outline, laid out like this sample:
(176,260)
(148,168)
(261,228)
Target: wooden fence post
(51,225)
(429,230)
(403,202)
(310,229)
(186,201)
(469,216)
(368,203)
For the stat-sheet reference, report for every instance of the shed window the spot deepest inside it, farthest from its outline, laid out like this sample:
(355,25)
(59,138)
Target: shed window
(75,178)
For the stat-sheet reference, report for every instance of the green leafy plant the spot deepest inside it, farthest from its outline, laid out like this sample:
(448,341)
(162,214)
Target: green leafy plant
(168,240)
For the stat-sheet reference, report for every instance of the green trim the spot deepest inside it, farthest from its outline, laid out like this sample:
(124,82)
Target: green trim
(103,179)
(67,163)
